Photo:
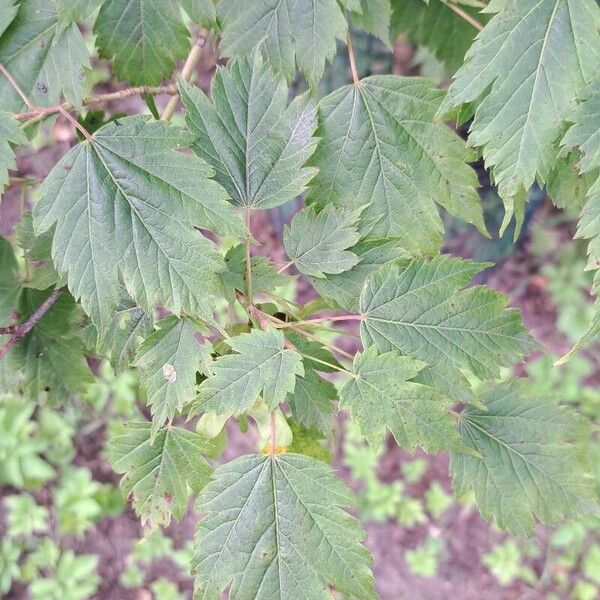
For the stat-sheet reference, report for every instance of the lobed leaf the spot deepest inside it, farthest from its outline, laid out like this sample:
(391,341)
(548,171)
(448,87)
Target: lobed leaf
(380,149)
(125,204)
(317,243)
(380,396)
(523,73)
(261,365)
(275,528)
(345,288)
(44,57)
(528,467)
(158,473)
(168,360)
(289,32)
(144,37)
(418,308)
(256,143)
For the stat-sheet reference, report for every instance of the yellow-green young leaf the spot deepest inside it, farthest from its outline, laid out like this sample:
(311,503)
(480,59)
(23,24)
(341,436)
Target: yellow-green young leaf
(317,242)
(524,73)
(44,58)
(10,133)
(345,288)
(381,397)
(158,473)
(419,308)
(528,467)
(51,357)
(257,144)
(274,527)
(380,149)
(433,25)
(291,33)
(145,38)
(261,365)
(126,203)
(168,360)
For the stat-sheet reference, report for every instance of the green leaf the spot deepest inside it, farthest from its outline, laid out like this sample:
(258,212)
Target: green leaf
(528,467)
(256,143)
(317,243)
(524,73)
(202,12)
(345,288)
(380,396)
(157,474)
(260,365)
(130,325)
(8,11)
(374,17)
(585,135)
(418,308)
(44,58)
(9,282)
(125,203)
(309,441)
(275,528)
(41,273)
(51,356)
(10,133)
(381,149)
(290,33)
(168,361)
(70,11)
(264,277)
(433,25)
(145,38)
(312,401)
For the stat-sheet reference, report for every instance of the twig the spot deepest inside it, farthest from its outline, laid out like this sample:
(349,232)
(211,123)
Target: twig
(86,134)
(272,425)
(464,15)
(25,328)
(23,181)
(285,267)
(321,320)
(355,77)
(16,87)
(167,90)
(248,259)
(328,364)
(186,73)
(37,110)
